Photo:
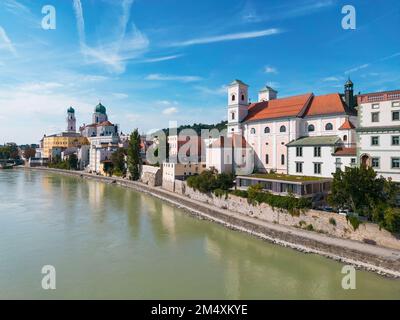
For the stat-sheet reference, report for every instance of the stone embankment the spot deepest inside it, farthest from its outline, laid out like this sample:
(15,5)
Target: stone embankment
(270,225)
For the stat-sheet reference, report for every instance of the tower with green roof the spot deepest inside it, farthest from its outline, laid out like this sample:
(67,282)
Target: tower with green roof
(71,120)
(100,114)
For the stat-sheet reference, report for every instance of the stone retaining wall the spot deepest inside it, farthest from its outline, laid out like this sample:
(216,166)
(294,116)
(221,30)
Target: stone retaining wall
(321,221)
(151,176)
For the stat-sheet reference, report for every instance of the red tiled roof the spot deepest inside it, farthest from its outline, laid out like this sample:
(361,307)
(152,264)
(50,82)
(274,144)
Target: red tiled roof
(346,152)
(326,104)
(278,108)
(347,125)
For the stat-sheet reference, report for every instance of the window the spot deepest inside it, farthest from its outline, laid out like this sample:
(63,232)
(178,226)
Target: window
(266,158)
(317,152)
(375,162)
(267,130)
(317,168)
(375,117)
(253,131)
(282,129)
(396,115)
(233,97)
(396,104)
(345,137)
(395,140)
(282,159)
(232,116)
(395,163)
(299,167)
(242,97)
(375,106)
(374,141)
(299,151)
(338,163)
(311,128)
(353,161)
(328,127)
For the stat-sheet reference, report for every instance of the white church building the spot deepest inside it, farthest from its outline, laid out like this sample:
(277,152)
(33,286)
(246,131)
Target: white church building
(305,135)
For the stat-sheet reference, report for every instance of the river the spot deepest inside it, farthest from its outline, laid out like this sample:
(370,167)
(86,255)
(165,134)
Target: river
(109,242)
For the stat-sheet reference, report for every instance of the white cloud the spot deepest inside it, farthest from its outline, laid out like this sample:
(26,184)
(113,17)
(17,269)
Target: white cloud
(80,21)
(329,79)
(40,87)
(161,77)
(169,111)
(227,37)
(222,90)
(115,54)
(118,95)
(166,58)
(5,42)
(355,69)
(270,69)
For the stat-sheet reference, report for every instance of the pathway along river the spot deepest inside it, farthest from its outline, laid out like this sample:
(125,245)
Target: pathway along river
(106,241)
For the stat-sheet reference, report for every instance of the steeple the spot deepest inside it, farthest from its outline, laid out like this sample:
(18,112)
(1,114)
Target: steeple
(71,120)
(349,93)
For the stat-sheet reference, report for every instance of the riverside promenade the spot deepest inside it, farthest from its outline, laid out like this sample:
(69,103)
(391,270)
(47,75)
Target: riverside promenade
(384,261)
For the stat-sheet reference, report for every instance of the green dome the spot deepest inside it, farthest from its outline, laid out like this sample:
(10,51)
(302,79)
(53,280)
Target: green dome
(100,109)
(71,110)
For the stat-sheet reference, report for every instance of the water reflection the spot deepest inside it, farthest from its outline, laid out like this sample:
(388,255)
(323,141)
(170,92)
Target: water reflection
(112,242)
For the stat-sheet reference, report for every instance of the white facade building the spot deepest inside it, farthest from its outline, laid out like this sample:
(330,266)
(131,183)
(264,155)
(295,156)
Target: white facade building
(271,124)
(379,132)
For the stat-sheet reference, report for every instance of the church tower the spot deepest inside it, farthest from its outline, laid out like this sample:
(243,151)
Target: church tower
(100,114)
(349,94)
(71,120)
(238,101)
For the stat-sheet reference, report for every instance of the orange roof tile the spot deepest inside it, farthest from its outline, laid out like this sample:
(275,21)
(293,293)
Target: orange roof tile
(326,104)
(347,125)
(346,152)
(278,108)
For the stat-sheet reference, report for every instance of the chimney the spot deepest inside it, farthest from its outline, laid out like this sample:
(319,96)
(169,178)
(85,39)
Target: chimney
(266,94)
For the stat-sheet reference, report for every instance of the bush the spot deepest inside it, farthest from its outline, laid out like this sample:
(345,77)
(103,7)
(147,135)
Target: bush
(332,221)
(354,221)
(210,181)
(310,227)
(255,195)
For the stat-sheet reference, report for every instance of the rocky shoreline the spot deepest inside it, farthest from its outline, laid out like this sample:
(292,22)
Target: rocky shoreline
(383,261)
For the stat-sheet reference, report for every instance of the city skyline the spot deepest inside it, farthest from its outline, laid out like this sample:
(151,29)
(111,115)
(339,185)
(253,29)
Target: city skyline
(161,58)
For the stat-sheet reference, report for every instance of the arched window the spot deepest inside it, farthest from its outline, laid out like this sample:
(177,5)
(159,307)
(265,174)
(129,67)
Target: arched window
(282,159)
(242,97)
(345,138)
(266,159)
(328,126)
(253,131)
(233,97)
(267,130)
(311,128)
(282,129)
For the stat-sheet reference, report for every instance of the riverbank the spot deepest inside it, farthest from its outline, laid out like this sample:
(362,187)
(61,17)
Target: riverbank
(373,258)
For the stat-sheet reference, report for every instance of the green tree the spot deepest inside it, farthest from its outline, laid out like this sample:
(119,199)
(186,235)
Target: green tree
(134,161)
(72,162)
(29,153)
(368,195)
(118,162)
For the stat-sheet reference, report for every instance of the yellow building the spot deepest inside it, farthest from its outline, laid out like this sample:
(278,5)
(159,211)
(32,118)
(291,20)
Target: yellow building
(62,141)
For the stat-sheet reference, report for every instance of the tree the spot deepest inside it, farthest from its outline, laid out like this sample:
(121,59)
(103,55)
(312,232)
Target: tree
(72,162)
(368,195)
(29,153)
(134,161)
(118,162)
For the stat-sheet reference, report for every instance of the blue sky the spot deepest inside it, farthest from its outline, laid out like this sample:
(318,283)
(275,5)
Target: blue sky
(152,61)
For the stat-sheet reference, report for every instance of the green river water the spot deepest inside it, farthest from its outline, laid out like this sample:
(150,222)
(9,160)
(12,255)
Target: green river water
(110,242)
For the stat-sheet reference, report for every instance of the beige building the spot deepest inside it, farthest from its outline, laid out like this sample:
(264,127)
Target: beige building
(180,171)
(62,141)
